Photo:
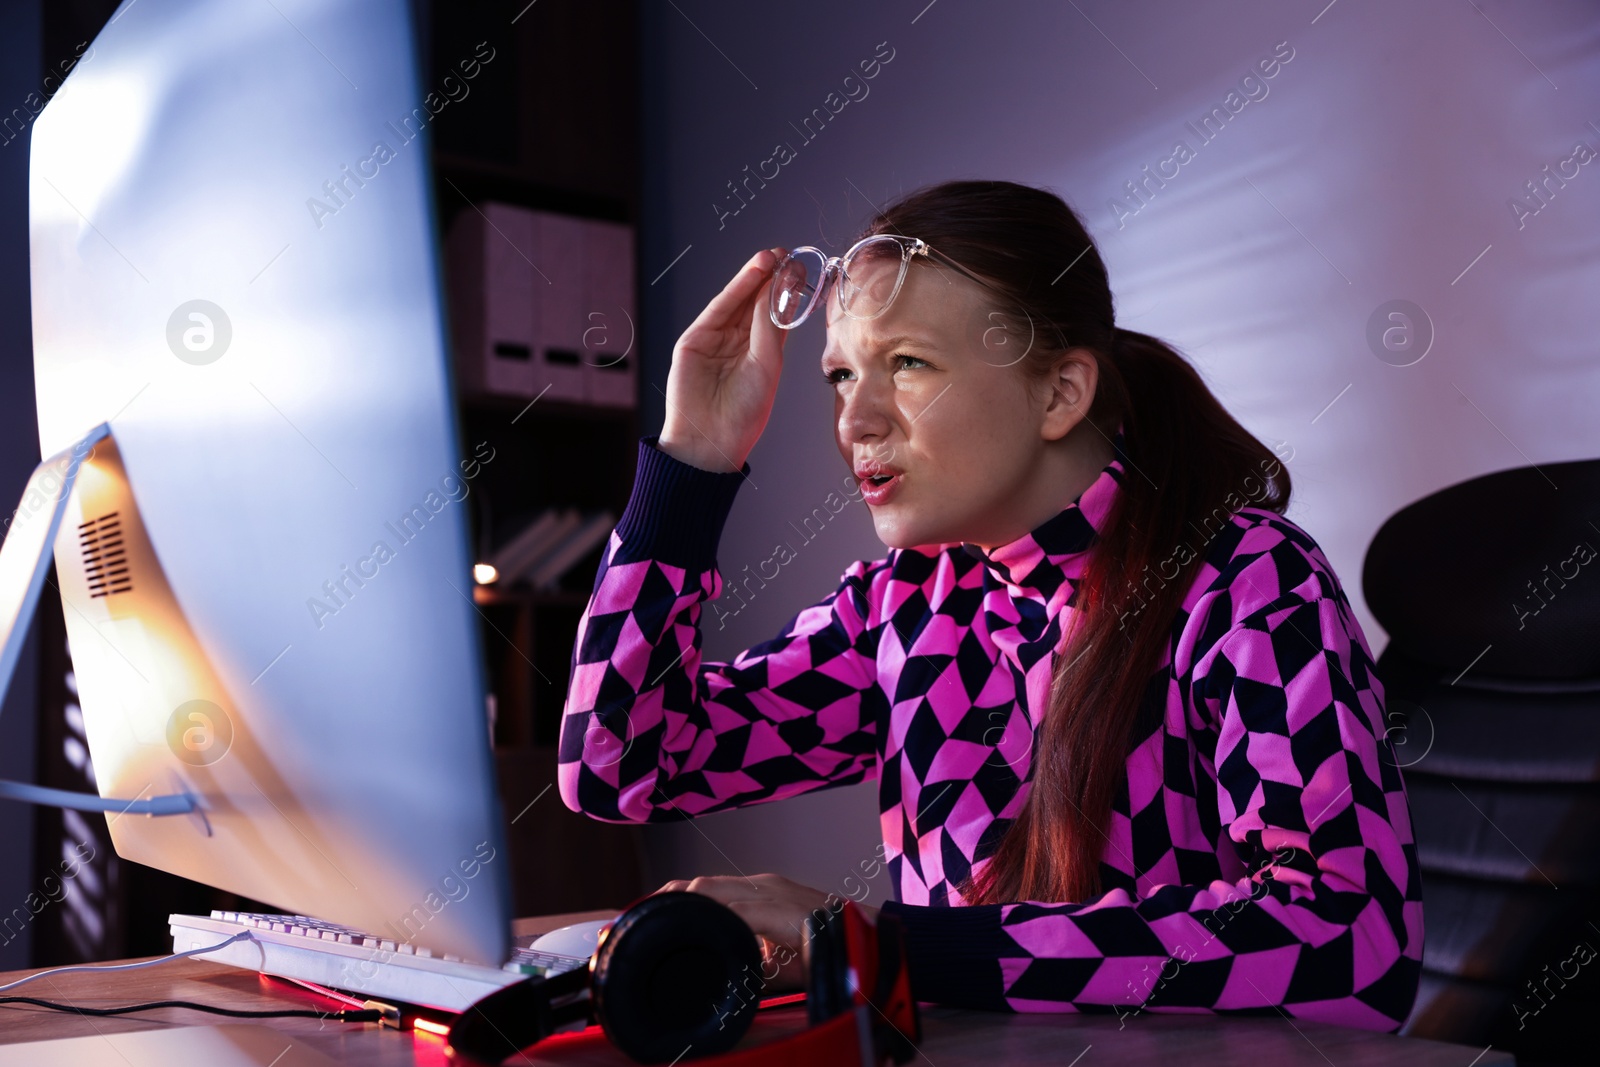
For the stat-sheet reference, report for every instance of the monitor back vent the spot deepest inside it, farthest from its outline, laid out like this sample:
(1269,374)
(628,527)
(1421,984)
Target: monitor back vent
(105,563)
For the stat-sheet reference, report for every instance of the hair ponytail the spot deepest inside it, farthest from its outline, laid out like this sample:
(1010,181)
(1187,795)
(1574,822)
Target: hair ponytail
(1190,466)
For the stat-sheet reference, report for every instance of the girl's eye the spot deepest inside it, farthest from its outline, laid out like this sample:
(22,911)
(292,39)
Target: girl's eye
(901,358)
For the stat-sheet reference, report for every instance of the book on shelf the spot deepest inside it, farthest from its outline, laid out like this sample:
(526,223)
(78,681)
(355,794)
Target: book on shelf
(547,547)
(577,544)
(513,558)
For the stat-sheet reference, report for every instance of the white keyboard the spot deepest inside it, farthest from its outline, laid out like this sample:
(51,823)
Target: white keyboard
(297,946)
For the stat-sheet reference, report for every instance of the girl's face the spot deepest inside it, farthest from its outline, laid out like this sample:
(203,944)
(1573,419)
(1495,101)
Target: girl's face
(931,396)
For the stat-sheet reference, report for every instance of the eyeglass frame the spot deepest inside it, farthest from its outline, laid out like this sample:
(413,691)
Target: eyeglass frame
(833,269)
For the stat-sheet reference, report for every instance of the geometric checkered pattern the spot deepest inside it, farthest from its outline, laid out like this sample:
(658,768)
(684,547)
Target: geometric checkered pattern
(1259,857)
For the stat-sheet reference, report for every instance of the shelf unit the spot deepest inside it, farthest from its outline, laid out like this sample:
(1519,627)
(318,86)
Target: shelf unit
(550,127)
(563,455)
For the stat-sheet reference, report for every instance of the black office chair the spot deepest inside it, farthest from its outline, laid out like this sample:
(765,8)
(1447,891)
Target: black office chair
(1490,593)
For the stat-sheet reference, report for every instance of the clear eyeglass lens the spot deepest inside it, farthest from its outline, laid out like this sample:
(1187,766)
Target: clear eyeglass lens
(794,285)
(868,282)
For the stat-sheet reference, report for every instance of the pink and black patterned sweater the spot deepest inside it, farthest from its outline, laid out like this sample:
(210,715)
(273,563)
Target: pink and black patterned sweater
(1259,857)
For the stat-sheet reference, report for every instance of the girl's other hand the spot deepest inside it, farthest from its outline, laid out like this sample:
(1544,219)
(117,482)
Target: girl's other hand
(776,909)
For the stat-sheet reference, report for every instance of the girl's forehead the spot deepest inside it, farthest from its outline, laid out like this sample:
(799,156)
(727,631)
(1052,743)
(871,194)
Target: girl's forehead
(931,310)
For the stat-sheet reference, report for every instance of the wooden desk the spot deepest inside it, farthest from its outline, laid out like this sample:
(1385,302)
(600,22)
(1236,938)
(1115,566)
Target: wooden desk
(951,1037)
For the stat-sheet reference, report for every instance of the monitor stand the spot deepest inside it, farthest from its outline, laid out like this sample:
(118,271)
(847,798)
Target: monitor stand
(24,561)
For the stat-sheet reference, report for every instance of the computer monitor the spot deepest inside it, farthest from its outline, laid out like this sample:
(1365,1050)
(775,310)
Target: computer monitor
(265,568)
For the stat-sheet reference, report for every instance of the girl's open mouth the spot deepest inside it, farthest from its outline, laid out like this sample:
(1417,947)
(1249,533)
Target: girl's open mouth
(877,489)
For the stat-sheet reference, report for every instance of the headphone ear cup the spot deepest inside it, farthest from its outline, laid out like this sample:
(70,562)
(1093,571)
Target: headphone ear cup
(676,971)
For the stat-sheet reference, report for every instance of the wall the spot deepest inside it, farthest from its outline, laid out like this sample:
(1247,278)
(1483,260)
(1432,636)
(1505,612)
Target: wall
(1384,161)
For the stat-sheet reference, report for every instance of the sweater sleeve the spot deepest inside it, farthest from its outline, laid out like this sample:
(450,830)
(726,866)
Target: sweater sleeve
(1328,928)
(651,732)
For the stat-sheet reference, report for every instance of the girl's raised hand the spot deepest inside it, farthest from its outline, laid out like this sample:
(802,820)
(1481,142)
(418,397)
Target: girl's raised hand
(725,371)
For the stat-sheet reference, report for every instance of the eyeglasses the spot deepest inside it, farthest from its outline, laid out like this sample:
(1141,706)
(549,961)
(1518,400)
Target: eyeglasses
(804,274)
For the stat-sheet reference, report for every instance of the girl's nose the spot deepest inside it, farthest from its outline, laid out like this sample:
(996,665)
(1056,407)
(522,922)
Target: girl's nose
(866,412)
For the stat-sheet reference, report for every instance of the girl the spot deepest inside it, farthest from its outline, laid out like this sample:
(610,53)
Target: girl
(1128,735)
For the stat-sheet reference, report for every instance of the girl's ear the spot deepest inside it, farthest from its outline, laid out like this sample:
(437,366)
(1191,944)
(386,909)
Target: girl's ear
(1071,384)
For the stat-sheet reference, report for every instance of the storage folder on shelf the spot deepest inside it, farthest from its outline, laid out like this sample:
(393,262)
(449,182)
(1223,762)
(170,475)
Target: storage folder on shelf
(542,305)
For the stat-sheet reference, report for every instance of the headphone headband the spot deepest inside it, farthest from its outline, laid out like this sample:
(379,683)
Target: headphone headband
(668,982)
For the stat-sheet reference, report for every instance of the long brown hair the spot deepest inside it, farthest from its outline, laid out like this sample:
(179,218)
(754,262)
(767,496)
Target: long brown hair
(1190,465)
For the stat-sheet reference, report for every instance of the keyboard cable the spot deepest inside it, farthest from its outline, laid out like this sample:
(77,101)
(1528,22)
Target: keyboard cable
(347,1016)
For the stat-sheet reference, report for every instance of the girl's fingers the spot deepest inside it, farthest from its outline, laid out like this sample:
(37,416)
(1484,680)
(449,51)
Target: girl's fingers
(782,921)
(762,326)
(724,888)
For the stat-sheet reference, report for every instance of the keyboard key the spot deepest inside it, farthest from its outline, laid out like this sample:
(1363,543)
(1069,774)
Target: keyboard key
(533,969)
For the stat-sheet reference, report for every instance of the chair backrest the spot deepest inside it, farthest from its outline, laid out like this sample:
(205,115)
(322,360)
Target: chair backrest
(1489,591)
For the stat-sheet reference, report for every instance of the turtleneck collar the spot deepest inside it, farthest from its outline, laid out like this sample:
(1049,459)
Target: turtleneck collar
(1057,550)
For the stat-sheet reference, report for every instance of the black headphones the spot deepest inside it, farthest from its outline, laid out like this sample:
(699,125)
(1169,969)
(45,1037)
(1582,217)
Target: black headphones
(678,976)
